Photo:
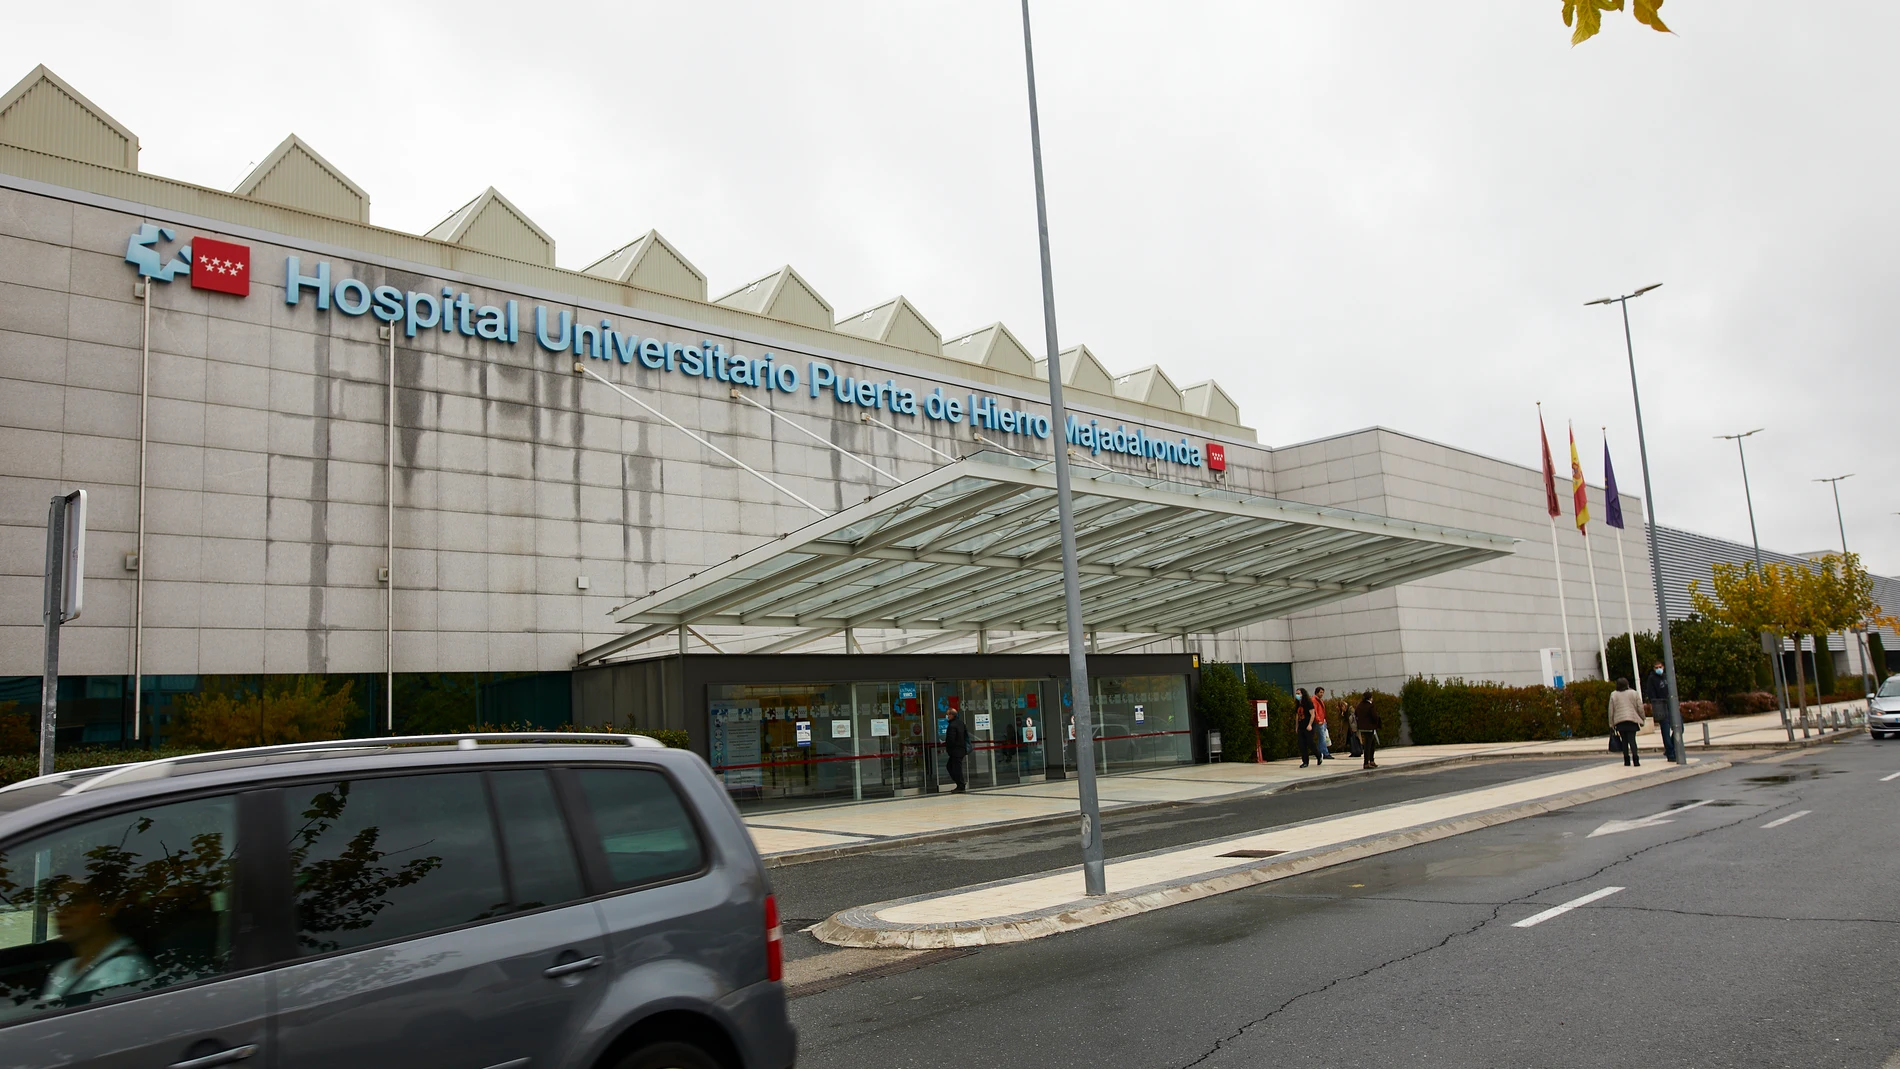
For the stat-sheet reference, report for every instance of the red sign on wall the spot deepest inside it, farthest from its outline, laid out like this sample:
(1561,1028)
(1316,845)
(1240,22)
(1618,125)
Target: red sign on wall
(221,266)
(1216,457)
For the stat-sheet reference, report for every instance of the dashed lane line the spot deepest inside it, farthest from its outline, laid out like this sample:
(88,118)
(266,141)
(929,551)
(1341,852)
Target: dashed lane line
(1557,911)
(1796,815)
(1890,776)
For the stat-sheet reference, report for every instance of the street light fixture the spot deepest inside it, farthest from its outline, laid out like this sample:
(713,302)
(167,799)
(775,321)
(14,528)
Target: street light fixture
(1866,680)
(1094,874)
(1649,502)
(1781,685)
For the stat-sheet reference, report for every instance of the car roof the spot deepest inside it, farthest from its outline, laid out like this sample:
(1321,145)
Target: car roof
(47,797)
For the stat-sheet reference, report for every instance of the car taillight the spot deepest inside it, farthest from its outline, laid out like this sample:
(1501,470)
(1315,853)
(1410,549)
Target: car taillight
(774,942)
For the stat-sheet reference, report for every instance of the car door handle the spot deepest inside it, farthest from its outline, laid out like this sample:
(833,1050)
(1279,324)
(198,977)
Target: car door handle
(565,968)
(223,1057)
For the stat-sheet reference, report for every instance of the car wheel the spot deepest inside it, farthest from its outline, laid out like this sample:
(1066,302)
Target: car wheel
(670,1055)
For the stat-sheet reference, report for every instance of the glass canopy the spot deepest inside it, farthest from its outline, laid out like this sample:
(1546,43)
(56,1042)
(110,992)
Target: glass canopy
(974,545)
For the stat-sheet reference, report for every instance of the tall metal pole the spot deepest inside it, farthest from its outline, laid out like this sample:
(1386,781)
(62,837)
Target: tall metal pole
(389,547)
(1094,878)
(138,544)
(54,609)
(1649,505)
(1866,679)
(1781,681)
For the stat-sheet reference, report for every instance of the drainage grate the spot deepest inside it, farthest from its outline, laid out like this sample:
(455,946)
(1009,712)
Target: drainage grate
(1252,853)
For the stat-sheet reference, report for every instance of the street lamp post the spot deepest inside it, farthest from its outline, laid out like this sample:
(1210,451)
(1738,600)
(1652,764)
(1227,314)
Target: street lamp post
(1866,680)
(1094,877)
(1781,685)
(1649,503)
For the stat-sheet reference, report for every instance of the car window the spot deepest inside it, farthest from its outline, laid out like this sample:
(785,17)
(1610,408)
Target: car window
(1891,688)
(118,905)
(541,865)
(643,826)
(384,858)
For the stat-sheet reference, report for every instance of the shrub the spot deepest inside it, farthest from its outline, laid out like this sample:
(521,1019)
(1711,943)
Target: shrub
(1278,740)
(1224,708)
(1748,703)
(1457,711)
(1712,659)
(14,768)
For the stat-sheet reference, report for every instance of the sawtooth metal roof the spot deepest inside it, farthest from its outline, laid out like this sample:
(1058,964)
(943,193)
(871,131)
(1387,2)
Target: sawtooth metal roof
(974,545)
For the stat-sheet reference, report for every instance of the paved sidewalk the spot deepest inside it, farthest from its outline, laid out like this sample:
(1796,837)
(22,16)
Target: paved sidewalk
(1043,904)
(810,834)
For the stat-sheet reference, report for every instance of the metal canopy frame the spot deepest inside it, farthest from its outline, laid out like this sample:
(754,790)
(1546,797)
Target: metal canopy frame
(973,545)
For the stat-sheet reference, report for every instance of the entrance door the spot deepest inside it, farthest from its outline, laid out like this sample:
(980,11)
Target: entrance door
(895,724)
(1019,731)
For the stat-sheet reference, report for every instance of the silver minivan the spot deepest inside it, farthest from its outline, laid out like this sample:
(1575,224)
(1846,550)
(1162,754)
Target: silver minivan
(464,902)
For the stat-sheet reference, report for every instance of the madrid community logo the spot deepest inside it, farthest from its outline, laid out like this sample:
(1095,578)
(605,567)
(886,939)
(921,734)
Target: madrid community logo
(211,264)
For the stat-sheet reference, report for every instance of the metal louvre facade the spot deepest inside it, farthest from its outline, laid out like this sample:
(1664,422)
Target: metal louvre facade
(1687,556)
(974,546)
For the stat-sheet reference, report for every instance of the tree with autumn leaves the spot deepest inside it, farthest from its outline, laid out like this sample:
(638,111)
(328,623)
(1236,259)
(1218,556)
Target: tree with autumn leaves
(1585,17)
(1832,593)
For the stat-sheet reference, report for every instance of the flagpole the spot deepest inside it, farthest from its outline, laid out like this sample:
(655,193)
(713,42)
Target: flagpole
(1613,515)
(1581,491)
(1603,649)
(1562,609)
(1629,617)
(1556,558)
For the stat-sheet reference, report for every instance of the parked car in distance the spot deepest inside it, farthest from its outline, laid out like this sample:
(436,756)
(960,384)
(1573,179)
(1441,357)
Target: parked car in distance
(1883,709)
(561,899)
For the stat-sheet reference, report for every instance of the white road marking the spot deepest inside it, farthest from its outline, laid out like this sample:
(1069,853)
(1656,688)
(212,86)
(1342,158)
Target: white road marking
(1796,815)
(1558,911)
(1611,827)
(1890,775)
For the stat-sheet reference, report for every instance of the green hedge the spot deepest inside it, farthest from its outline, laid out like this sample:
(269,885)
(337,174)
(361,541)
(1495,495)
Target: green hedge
(16,767)
(1227,707)
(1457,711)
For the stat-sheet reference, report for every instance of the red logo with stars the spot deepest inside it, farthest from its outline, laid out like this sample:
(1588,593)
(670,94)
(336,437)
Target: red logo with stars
(220,265)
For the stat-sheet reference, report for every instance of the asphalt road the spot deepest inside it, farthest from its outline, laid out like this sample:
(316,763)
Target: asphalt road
(811,892)
(1729,944)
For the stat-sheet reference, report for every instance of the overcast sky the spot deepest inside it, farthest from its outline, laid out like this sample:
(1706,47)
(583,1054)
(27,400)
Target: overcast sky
(1348,214)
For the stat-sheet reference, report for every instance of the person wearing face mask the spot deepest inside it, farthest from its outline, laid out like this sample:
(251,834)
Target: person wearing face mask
(1656,693)
(1303,726)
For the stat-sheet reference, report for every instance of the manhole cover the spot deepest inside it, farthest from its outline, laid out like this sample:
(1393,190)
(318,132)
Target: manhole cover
(1252,853)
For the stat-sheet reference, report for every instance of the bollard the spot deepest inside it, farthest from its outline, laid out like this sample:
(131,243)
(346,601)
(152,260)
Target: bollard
(1705,734)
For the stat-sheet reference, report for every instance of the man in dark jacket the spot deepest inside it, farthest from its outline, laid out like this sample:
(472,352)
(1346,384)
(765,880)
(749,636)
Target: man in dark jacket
(956,746)
(1366,719)
(1656,693)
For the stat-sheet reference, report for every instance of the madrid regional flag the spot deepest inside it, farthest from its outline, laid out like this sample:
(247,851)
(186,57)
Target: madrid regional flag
(221,266)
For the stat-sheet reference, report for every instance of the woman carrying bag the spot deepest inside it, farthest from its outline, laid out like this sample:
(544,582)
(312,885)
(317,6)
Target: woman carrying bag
(1366,721)
(1626,719)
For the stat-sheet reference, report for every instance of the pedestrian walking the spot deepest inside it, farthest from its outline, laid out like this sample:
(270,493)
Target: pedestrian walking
(1626,719)
(1320,734)
(1353,742)
(1303,726)
(1366,722)
(956,745)
(1656,693)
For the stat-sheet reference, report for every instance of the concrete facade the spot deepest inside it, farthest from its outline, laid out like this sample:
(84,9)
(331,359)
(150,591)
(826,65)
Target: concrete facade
(529,500)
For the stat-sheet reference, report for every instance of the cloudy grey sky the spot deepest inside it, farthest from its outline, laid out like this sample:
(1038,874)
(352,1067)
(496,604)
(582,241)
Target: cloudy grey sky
(1349,213)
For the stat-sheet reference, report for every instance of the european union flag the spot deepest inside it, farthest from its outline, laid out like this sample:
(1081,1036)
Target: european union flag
(1613,502)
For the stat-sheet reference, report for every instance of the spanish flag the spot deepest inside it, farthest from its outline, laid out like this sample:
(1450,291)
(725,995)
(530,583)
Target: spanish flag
(1578,492)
